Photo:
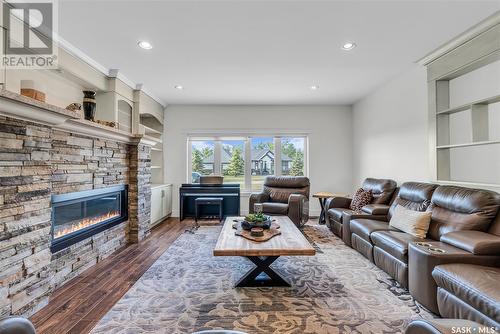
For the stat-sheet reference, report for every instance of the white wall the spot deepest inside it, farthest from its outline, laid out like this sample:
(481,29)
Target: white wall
(390,136)
(328,129)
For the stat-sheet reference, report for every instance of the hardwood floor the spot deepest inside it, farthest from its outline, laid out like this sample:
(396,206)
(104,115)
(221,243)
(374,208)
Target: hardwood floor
(77,306)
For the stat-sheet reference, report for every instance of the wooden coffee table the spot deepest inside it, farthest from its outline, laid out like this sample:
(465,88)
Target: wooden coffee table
(291,242)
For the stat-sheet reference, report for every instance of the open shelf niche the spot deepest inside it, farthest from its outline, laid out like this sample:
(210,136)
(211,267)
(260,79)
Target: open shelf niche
(115,104)
(465,137)
(150,124)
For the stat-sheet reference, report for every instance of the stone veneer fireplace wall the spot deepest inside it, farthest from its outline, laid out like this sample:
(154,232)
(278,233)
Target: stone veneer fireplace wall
(36,162)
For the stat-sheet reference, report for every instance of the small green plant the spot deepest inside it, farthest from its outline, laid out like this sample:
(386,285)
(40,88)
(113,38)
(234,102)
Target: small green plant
(256,218)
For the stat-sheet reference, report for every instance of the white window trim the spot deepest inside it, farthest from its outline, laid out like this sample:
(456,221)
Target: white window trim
(217,139)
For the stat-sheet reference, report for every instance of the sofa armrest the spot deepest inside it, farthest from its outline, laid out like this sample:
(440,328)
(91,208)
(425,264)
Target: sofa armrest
(424,256)
(298,209)
(337,202)
(475,242)
(376,209)
(257,198)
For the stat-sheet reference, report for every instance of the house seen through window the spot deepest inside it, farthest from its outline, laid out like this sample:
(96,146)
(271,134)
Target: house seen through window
(247,160)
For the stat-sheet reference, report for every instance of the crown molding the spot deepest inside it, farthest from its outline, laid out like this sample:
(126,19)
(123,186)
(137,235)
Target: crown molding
(112,73)
(464,37)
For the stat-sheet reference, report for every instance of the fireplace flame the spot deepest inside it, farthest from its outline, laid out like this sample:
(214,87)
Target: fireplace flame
(76,226)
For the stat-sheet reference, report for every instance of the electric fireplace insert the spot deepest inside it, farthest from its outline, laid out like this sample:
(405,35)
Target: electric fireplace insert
(79,215)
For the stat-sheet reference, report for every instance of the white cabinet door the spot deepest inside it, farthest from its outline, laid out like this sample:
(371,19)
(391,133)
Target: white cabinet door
(156,204)
(167,201)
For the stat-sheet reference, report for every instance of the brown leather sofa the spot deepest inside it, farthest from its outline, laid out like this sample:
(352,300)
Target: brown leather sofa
(389,248)
(284,195)
(461,220)
(339,214)
(454,271)
(465,228)
(469,291)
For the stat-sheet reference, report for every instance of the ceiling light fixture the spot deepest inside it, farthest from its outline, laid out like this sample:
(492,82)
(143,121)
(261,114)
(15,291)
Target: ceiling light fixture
(179,87)
(315,87)
(348,46)
(145,45)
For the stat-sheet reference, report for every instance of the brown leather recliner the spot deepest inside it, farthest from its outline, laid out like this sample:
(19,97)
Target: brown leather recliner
(465,228)
(284,195)
(469,292)
(338,212)
(411,195)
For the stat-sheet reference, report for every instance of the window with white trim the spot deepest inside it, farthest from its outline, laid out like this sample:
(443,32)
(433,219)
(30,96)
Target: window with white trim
(247,160)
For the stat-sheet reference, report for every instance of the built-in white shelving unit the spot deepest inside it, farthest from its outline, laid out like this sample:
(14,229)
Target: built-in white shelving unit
(464,137)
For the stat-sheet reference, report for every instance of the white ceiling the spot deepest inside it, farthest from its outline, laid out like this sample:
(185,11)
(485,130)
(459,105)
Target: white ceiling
(264,52)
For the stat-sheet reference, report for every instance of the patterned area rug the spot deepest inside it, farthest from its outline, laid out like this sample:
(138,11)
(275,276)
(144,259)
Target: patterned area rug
(337,291)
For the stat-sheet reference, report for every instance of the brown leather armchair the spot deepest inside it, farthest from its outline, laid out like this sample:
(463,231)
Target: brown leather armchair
(284,195)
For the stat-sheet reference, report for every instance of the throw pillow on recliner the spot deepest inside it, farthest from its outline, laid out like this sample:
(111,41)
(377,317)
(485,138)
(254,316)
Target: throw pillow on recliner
(360,199)
(412,222)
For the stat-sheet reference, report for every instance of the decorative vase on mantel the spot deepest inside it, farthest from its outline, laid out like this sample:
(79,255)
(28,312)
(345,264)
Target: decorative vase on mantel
(89,105)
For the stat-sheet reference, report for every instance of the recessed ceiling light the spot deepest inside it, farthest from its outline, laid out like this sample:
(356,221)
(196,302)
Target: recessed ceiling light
(179,87)
(348,46)
(315,87)
(145,45)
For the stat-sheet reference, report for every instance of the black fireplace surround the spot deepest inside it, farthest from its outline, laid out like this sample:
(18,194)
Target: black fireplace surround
(79,215)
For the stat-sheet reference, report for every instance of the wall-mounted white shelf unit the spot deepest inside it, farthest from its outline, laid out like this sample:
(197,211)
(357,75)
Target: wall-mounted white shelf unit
(150,124)
(464,139)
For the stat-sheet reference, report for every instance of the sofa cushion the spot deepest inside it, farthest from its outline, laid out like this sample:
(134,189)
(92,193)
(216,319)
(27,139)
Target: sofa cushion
(476,285)
(365,227)
(281,195)
(279,188)
(336,213)
(394,242)
(382,189)
(456,208)
(411,221)
(413,196)
(275,208)
(360,199)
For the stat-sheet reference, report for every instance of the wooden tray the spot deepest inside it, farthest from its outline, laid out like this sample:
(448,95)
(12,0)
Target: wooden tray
(268,233)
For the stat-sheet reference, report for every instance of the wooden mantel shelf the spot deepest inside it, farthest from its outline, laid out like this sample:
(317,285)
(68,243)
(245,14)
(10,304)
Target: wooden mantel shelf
(21,107)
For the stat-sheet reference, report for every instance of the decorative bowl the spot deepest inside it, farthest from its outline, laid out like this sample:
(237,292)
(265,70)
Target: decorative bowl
(247,224)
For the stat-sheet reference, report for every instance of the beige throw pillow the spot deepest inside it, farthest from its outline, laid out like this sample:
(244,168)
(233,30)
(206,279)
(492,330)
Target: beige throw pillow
(412,222)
